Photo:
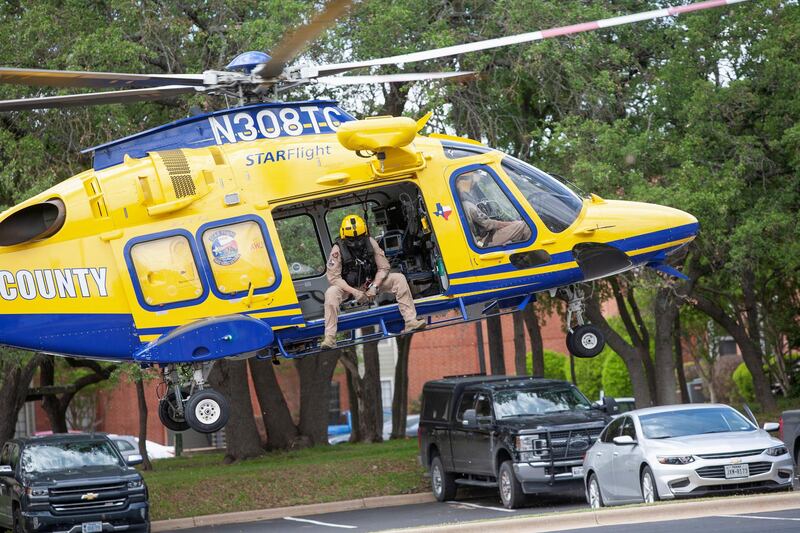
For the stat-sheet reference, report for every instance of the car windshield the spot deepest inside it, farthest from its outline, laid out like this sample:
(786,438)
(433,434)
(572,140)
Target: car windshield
(52,457)
(693,422)
(511,403)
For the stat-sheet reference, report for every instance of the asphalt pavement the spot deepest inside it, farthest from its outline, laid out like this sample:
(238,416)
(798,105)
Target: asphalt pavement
(483,505)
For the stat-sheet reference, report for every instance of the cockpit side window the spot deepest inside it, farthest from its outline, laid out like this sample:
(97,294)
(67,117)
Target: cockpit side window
(554,202)
(492,218)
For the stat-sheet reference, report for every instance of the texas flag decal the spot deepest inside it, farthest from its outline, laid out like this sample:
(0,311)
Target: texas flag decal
(443,211)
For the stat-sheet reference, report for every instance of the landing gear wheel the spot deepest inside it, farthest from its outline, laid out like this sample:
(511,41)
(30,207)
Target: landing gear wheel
(510,489)
(443,483)
(586,341)
(207,411)
(593,495)
(169,415)
(649,489)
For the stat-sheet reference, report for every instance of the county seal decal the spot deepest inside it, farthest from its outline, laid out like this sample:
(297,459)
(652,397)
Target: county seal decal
(224,247)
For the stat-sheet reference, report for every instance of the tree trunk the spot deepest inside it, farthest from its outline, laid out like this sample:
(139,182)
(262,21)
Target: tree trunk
(629,354)
(666,310)
(315,385)
(751,353)
(280,428)
(676,335)
(350,363)
(372,417)
(146,465)
(637,329)
(242,440)
(535,334)
(520,351)
(15,384)
(494,330)
(400,396)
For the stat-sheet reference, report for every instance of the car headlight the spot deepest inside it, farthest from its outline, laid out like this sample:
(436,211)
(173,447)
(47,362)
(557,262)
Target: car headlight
(676,460)
(524,443)
(31,491)
(135,484)
(777,451)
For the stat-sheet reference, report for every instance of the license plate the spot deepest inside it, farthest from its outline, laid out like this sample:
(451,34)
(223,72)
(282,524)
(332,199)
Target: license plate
(92,527)
(577,471)
(736,471)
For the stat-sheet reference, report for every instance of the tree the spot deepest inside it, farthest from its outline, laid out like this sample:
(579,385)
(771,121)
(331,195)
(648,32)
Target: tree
(16,372)
(229,377)
(494,331)
(142,402)
(282,433)
(400,396)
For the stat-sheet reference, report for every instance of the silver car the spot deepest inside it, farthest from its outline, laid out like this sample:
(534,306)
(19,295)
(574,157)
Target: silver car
(683,450)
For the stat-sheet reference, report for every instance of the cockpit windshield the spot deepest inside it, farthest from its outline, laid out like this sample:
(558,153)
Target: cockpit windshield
(554,202)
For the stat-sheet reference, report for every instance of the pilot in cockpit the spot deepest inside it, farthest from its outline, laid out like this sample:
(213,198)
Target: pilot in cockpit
(487,231)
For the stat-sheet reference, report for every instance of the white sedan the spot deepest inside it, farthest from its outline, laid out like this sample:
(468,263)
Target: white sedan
(683,450)
(129,445)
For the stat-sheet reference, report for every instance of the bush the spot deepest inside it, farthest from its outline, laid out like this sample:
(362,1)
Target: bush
(744,383)
(615,378)
(553,364)
(589,374)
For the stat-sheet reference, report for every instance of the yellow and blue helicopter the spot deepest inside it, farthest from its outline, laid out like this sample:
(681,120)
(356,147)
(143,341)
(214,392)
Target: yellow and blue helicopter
(207,237)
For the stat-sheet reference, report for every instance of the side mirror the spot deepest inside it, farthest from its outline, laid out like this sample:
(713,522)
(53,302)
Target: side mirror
(6,470)
(134,460)
(624,440)
(610,405)
(470,418)
(771,426)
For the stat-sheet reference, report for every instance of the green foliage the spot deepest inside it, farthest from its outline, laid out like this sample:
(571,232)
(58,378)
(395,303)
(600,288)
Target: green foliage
(615,380)
(744,383)
(588,373)
(553,364)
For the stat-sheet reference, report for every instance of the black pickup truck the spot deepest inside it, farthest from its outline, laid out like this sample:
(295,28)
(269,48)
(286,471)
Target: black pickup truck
(74,483)
(523,435)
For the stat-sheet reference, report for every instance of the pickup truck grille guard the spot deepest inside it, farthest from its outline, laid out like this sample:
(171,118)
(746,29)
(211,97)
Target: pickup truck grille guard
(574,440)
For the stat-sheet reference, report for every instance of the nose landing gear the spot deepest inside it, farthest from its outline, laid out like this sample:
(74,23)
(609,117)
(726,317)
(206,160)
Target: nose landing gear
(189,403)
(584,340)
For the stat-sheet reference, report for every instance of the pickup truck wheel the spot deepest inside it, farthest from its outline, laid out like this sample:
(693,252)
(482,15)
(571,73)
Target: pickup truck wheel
(510,489)
(443,483)
(19,523)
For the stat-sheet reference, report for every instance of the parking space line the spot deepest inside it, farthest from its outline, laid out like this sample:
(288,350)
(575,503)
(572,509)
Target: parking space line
(758,517)
(315,522)
(476,506)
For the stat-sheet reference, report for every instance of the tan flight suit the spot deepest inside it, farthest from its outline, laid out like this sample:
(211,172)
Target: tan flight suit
(385,281)
(502,231)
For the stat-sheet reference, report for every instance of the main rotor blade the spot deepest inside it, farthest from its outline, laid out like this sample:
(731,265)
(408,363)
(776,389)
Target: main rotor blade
(95,80)
(112,97)
(335,68)
(392,78)
(295,42)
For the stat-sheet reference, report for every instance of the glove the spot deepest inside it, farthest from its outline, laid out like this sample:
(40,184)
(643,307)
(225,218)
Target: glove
(360,297)
(371,293)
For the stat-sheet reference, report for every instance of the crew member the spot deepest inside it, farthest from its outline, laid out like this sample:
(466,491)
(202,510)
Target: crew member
(358,267)
(488,231)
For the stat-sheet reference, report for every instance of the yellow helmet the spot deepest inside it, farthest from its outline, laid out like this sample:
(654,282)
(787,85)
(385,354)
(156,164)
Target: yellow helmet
(352,226)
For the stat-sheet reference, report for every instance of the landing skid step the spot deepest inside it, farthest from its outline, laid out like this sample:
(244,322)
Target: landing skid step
(466,315)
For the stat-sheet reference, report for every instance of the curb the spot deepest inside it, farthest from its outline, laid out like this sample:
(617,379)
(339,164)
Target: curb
(626,515)
(296,510)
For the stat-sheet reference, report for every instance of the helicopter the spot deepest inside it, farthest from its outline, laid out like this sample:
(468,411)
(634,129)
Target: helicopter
(207,238)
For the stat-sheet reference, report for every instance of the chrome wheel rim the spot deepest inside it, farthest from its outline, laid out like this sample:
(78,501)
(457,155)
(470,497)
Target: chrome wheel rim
(505,486)
(594,494)
(436,478)
(589,341)
(647,489)
(207,411)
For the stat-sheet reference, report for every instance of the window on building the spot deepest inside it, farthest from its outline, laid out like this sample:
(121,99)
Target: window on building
(238,257)
(166,270)
(301,247)
(386,393)
(727,347)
